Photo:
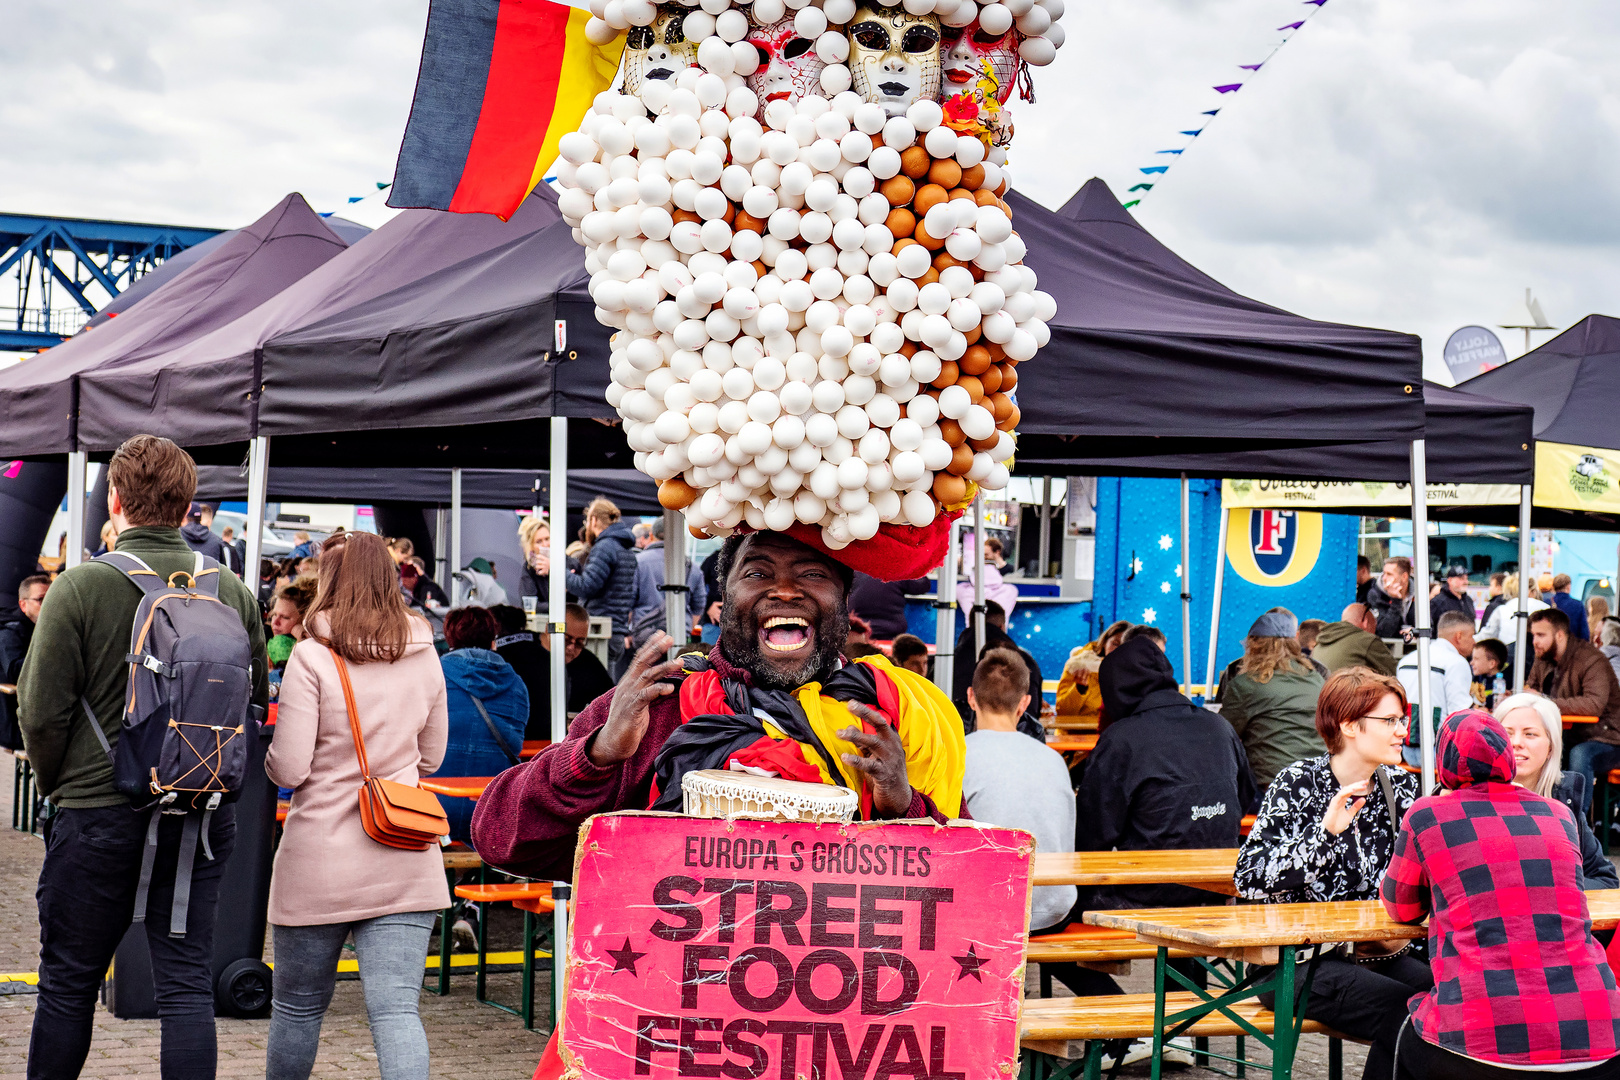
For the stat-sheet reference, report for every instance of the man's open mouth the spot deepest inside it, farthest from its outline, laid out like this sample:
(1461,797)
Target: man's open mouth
(894,89)
(785,634)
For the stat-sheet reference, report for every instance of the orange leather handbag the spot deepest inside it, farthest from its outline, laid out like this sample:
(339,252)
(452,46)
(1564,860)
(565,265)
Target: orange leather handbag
(395,814)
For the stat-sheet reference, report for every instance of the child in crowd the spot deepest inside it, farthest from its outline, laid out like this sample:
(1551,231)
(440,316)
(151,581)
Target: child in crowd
(909,651)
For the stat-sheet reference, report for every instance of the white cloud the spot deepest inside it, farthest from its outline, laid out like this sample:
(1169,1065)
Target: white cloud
(1402,165)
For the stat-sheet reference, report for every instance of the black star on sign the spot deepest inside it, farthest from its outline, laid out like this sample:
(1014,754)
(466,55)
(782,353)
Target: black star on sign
(624,957)
(970,964)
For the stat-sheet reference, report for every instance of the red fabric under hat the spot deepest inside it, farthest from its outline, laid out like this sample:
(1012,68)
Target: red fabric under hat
(896,553)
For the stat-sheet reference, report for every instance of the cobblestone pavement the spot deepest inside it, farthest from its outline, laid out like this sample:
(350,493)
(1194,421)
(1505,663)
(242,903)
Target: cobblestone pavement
(467,1040)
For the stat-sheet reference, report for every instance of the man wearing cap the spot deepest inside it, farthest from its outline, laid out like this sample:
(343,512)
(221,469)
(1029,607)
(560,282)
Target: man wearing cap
(199,535)
(1453,596)
(883,730)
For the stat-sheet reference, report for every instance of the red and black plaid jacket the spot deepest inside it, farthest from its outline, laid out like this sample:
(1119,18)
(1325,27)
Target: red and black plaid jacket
(1518,978)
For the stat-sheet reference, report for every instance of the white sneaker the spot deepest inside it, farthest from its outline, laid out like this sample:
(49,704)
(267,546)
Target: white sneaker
(1178,1052)
(466,938)
(1139,1051)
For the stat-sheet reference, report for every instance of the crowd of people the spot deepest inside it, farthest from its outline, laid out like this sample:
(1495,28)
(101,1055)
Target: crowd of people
(376,677)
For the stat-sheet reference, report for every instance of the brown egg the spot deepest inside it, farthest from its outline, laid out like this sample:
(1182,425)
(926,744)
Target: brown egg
(1002,190)
(902,243)
(697,532)
(944,259)
(985,198)
(760,268)
(908,349)
(731,212)
(929,277)
(978,274)
(991,378)
(961,460)
(1009,376)
(685,215)
(901,222)
(949,489)
(984,444)
(948,373)
(972,336)
(951,431)
(975,360)
(997,353)
(746,222)
(928,196)
(1011,423)
(898,190)
(676,494)
(961,193)
(945,172)
(914,162)
(1001,406)
(973,179)
(973,386)
(920,234)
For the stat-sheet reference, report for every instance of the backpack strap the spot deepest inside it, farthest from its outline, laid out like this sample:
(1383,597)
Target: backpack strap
(500,741)
(1389,801)
(95,726)
(134,567)
(205,575)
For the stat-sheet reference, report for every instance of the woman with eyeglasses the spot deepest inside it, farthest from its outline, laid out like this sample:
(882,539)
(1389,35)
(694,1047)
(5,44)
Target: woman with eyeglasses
(1325,831)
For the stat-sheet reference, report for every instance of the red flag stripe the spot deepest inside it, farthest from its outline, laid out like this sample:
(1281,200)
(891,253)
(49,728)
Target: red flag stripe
(519,96)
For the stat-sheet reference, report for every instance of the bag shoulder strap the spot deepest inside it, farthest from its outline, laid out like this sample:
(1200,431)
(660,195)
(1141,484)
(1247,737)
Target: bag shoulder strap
(500,741)
(134,567)
(1389,800)
(354,714)
(205,575)
(95,726)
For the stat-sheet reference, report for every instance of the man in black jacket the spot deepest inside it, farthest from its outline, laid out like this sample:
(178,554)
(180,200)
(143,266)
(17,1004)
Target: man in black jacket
(1453,596)
(1390,598)
(1165,774)
(199,534)
(883,603)
(15,636)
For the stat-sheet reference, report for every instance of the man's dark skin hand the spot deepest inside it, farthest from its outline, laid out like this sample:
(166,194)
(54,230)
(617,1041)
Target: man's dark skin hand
(785,618)
(628,717)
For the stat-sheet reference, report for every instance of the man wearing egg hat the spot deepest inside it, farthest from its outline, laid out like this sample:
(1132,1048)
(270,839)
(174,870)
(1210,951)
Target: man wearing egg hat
(883,730)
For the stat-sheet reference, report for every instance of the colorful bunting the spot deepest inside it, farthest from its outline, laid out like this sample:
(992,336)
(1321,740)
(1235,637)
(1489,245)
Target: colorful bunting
(1287,29)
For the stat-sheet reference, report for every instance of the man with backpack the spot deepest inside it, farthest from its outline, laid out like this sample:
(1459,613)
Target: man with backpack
(110,847)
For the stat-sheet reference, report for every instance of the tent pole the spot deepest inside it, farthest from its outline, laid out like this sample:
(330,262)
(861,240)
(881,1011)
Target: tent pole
(675,598)
(455,537)
(978,576)
(78,465)
(1521,621)
(945,614)
(1215,604)
(1186,594)
(1044,564)
(556,612)
(441,547)
(1420,607)
(258,477)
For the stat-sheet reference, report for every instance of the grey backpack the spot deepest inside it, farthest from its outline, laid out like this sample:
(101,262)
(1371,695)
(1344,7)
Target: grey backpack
(183,744)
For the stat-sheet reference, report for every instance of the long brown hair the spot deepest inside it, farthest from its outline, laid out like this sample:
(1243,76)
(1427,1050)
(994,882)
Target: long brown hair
(1264,657)
(366,616)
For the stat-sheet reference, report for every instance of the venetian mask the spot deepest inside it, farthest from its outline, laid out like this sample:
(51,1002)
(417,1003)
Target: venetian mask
(659,51)
(894,56)
(966,50)
(789,67)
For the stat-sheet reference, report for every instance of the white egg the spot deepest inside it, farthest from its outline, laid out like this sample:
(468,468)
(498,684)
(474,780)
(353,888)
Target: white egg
(706,450)
(804,457)
(754,438)
(954,402)
(852,474)
(835,78)
(936,454)
(884,162)
(836,535)
(964,245)
(963,314)
(1021,346)
(841,450)
(995,19)
(737,384)
(823,481)
(796,398)
(815,227)
(852,500)
(671,427)
(883,411)
(733,415)
(864,360)
(853,422)
(808,508)
(913,261)
(820,429)
(796,295)
(715,235)
(895,370)
(978,423)
(773,319)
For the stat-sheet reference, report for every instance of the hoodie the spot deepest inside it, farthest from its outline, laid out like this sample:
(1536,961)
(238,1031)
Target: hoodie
(606,584)
(1165,774)
(199,537)
(1497,869)
(472,749)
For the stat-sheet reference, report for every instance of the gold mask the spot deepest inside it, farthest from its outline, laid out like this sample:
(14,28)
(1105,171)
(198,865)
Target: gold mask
(659,51)
(894,56)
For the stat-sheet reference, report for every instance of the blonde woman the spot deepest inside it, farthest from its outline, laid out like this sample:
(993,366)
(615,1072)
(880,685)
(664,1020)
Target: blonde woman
(1597,609)
(1271,701)
(534,537)
(1536,729)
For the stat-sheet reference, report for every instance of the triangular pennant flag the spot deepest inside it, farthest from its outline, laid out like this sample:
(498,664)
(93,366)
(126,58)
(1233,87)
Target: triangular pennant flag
(1194,134)
(1228,88)
(1141,187)
(1318,3)
(1132,203)
(1210,112)
(381,186)
(1292,26)
(1151,169)
(356,198)
(1167,151)
(1253,67)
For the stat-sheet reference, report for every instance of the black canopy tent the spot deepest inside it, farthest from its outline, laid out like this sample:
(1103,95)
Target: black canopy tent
(502,489)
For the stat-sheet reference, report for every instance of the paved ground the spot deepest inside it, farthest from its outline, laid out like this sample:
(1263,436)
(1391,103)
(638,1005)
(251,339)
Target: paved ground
(468,1040)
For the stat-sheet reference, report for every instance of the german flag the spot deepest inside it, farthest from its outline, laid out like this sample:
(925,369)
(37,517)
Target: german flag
(501,81)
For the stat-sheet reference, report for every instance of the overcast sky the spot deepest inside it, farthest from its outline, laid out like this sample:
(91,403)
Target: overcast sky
(1405,165)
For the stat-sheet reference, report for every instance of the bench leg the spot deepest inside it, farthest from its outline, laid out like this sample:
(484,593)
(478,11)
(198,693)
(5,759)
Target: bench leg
(1335,1059)
(483,949)
(1160,962)
(1608,814)
(528,970)
(1284,1032)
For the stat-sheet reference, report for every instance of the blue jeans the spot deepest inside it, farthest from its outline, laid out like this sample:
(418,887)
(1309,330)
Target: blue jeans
(392,950)
(1593,759)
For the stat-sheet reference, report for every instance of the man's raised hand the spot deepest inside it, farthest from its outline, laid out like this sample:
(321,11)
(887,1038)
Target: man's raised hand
(628,715)
(882,761)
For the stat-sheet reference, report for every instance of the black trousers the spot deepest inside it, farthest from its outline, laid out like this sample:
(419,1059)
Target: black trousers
(1419,1060)
(1364,1001)
(86,901)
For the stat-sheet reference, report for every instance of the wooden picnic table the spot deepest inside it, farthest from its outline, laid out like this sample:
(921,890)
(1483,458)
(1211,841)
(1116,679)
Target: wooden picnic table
(1075,746)
(1573,719)
(1268,934)
(459,787)
(1203,868)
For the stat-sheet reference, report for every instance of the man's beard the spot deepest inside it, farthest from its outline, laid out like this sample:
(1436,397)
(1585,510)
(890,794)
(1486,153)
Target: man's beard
(739,643)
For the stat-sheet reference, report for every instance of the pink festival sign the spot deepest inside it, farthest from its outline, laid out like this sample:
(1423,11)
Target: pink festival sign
(753,950)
